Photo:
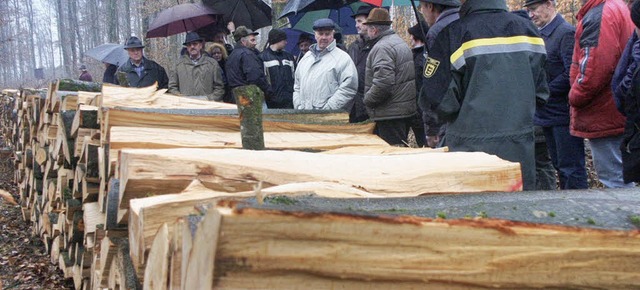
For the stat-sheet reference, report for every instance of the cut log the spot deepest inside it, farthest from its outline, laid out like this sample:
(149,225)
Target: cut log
(91,217)
(122,274)
(171,170)
(205,243)
(149,97)
(156,275)
(75,85)
(85,117)
(277,249)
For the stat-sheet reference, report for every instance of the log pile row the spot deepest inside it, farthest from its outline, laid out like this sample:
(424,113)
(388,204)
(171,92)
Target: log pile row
(117,180)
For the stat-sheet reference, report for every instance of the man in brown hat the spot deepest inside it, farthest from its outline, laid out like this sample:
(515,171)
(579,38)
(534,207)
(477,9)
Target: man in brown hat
(390,89)
(244,66)
(196,74)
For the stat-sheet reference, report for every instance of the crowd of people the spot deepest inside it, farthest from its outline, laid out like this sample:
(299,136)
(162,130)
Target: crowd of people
(526,86)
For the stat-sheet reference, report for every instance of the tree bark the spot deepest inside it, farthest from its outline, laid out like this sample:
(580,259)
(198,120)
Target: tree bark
(250,99)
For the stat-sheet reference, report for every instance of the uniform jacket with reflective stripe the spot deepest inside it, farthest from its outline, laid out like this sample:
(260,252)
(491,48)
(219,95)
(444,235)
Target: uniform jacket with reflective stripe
(603,30)
(483,75)
(489,84)
(279,67)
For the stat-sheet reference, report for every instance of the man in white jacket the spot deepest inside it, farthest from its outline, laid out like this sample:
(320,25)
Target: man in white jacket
(326,78)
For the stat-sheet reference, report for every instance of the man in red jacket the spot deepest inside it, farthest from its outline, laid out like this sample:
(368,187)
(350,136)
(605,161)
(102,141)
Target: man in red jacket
(602,32)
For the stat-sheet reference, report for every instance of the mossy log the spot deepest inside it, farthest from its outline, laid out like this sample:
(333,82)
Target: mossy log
(250,99)
(76,85)
(122,79)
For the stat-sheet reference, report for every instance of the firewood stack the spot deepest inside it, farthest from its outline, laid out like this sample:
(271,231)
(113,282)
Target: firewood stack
(120,184)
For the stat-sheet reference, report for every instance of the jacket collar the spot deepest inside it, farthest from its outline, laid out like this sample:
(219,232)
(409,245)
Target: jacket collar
(480,6)
(448,12)
(382,35)
(587,6)
(549,28)
(314,49)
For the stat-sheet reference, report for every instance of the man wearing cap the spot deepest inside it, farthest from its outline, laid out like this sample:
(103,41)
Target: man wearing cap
(389,88)
(358,51)
(196,74)
(244,66)
(486,71)
(279,66)
(326,78)
(85,75)
(139,70)
(438,14)
(566,151)
(604,26)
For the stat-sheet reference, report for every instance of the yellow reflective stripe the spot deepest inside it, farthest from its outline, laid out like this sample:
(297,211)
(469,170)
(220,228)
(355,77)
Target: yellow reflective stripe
(495,41)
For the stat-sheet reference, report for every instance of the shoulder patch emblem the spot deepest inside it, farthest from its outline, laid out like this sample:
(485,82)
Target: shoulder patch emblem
(431,67)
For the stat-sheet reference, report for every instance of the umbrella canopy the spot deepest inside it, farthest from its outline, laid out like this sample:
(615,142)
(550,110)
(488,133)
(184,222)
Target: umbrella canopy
(181,18)
(342,17)
(297,6)
(388,3)
(109,52)
(253,14)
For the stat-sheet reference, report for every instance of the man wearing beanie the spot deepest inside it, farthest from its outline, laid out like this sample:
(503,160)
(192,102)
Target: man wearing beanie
(626,92)
(486,72)
(603,29)
(279,67)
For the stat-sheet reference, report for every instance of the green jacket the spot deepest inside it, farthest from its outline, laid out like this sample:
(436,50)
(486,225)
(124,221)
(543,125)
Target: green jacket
(201,79)
(487,72)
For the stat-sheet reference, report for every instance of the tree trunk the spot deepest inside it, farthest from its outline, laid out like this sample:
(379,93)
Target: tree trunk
(250,99)
(112,21)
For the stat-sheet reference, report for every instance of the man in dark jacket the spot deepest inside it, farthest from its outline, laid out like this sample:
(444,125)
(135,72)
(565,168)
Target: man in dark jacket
(389,88)
(487,72)
(244,66)
(280,67)
(358,51)
(109,75)
(603,30)
(139,70)
(438,14)
(566,151)
(85,75)
(417,34)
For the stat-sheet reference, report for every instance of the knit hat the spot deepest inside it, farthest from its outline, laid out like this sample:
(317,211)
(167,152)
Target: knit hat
(276,35)
(635,13)
(418,33)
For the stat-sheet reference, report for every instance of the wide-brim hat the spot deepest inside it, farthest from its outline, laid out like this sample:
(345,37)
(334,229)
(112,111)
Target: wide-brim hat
(243,31)
(133,42)
(378,16)
(192,37)
(362,10)
(451,3)
(527,3)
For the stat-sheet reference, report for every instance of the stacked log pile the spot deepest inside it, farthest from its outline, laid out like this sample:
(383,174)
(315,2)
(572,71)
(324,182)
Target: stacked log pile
(113,179)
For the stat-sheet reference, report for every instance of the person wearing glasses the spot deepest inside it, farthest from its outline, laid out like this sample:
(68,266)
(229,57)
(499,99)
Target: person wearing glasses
(195,73)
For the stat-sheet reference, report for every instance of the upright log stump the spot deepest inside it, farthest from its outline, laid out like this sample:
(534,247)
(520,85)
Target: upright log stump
(250,99)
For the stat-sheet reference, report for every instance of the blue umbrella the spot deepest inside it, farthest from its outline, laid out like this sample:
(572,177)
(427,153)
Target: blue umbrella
(298,6)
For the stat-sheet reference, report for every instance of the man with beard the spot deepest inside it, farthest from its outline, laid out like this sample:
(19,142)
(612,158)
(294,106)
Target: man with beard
(196,74)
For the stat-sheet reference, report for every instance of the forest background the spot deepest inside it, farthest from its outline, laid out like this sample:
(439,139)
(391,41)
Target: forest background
(48,38)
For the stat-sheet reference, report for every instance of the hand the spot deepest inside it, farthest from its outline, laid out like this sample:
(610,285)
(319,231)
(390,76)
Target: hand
(231,26)
(432,141)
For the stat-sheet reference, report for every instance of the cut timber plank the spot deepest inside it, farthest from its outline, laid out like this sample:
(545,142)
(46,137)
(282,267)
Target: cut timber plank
(91,216)
(163,138)
(274,249)
(149,97)
(171,170)
(205,242)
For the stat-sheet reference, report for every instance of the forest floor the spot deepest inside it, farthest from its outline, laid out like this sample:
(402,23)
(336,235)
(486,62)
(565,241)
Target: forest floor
(24,262)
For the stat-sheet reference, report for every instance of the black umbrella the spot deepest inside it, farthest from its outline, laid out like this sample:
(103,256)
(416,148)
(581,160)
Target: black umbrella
(181,18)
(297,6)
(252,14)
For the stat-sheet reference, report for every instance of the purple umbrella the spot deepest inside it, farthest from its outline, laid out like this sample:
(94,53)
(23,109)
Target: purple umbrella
(181,18)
